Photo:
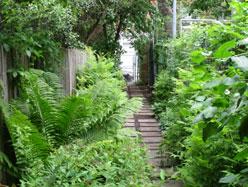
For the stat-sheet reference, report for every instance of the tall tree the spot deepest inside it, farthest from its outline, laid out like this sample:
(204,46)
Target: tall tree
(101,22)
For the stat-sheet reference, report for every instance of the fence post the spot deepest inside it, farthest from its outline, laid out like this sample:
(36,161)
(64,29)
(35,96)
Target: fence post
(73,59)
(3,95)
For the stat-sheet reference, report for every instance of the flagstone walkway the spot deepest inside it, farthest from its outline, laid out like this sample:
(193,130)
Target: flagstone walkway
(144,121)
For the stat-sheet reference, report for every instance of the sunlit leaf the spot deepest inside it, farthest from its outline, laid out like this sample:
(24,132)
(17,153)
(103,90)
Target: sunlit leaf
(224,50)
(243,155)
(197,57)
(229,179)
(28,53)
(209,112)
(241,62)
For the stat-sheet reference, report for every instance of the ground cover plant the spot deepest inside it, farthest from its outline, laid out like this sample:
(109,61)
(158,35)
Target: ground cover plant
(204,114)
(46,126)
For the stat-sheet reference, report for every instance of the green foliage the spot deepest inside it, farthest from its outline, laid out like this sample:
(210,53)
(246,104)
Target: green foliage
(98,69)
(102,22)
(163,90)
(216,8)
(205,118)
(39,29)
(28,143)
(46,119)
(36,30)
(117,162)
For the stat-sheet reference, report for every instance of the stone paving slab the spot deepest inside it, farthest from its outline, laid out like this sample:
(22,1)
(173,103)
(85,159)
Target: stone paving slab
(149,129)
(150,132)
(152,139)
(155,124)
(147,120)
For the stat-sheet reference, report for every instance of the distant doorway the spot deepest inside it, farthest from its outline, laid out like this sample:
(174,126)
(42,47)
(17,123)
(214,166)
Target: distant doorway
(129,61)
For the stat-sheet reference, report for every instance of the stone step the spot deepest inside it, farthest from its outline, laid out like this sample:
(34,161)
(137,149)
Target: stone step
(145,105)
(147,121)
(151,134)
(147,109)
(137,91)
(145,115)
(154,154)
(153,146)
(130,125)
(137,87)
(150,125)
(149,112)
(131,120)
(149,129)
(138,95)
(148,140)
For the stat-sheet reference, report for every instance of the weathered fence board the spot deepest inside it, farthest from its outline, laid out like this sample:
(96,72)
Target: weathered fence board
(4,95)
(73,59)
(3,74)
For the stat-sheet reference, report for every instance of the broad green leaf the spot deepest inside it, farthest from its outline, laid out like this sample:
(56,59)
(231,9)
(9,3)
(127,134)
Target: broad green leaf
(228,81)
(200,98)
(243,155)
(246,93)
(241,62)
(213,83)
(229,179)
(197,57)
(6,47)
(195,86)
(28,52)
(162,175)
(209,112)
(224,50)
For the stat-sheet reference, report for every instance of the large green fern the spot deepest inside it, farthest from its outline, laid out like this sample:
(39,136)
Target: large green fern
(29,144)
(42,92)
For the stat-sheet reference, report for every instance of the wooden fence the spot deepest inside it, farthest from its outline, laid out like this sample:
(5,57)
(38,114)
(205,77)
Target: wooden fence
(3,92)
(73,58)
(3,74)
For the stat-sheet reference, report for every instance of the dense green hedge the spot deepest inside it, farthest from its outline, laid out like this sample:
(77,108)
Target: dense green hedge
(117,162)
(204,114)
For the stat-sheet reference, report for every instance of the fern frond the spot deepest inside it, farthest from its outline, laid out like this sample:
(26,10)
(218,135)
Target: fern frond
(73,111)
(29,144)
(6,164)
(43,100)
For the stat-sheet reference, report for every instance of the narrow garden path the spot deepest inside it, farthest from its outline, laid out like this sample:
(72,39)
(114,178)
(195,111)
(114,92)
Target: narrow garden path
(144,121)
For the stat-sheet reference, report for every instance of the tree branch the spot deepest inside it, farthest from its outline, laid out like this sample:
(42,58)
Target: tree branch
(93,29)
(118,31)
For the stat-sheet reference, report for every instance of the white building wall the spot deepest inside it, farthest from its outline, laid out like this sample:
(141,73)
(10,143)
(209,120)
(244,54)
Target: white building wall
(128,58)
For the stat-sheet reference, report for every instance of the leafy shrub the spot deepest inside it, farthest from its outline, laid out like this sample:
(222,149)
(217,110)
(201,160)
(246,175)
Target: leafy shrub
(206,116)
(163,90)
(97,69)
(43,119)
(119,162)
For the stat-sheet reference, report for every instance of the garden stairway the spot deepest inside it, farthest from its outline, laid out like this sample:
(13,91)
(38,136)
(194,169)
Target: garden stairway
(145,123)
